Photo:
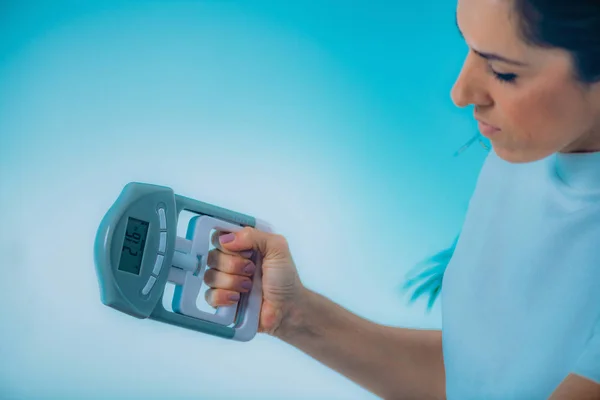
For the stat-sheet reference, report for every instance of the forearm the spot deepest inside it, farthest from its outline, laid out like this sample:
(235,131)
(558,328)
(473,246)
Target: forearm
(391,362)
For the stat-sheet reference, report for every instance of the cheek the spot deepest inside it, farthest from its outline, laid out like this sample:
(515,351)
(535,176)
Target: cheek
(548,116)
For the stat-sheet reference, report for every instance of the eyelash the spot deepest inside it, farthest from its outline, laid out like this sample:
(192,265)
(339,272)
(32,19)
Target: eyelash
(504,78)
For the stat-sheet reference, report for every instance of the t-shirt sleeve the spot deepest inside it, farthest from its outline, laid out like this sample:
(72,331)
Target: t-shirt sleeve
(588,364)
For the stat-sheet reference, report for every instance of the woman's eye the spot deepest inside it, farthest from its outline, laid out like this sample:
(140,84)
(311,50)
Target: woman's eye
(504,78)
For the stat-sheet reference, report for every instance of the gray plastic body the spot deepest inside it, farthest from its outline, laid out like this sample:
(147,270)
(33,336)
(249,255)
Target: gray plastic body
(135,249)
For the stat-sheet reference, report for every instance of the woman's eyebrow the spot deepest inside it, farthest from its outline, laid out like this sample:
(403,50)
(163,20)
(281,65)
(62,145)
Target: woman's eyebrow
(491,56)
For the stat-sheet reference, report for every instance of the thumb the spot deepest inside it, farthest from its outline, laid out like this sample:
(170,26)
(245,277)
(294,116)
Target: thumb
(244,240)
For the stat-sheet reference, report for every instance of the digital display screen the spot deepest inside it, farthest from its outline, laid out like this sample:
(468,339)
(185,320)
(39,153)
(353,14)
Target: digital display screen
(132,251)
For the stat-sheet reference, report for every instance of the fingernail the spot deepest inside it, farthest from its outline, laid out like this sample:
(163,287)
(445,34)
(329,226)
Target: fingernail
(249,269)
(234,297)
(246,253)
(227,238)
(247,284)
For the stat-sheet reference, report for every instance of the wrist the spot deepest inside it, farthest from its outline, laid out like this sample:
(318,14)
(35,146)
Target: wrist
(295,319)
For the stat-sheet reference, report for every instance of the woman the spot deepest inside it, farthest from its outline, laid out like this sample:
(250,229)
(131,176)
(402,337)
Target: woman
(521,294)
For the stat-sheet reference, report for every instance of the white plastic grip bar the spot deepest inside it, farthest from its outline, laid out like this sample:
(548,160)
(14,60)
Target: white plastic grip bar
(187,293)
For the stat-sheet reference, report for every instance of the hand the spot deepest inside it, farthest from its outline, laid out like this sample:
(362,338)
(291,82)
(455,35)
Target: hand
(231,269)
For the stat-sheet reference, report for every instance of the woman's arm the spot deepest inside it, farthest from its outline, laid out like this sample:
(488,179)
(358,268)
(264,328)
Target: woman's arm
(575,387)
(393,363)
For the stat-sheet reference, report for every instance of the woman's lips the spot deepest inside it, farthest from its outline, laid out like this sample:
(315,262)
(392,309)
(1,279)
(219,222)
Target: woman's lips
(486,129)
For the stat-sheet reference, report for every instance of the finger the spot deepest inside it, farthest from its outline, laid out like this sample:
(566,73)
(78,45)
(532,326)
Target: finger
(230,264)
(221,297)
(216,241)
(220,280)
(246,239)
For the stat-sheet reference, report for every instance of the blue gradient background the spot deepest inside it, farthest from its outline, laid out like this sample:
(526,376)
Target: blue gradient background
(330,119)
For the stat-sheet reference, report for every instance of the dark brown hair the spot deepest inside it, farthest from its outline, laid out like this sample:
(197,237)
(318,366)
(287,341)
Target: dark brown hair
(572,25)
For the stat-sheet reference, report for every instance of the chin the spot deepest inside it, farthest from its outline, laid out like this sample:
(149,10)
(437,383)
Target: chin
(519,156)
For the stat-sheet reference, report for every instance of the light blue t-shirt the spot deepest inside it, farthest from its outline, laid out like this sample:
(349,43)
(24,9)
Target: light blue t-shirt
(521,295)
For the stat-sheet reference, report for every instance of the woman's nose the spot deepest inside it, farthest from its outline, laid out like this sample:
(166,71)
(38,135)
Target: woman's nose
(469,88)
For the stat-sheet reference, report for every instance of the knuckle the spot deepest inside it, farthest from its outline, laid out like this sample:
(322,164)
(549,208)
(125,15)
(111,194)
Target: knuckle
(211,259)
(225,296)
(230,281)
(214,239)
(209,277)
(219,280)
(233,264)
(220,297)
(209,296)
(245,233)
(220,261)
(279,241)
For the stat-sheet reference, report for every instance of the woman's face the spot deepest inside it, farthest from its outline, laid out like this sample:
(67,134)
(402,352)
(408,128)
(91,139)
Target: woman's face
(528,93)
